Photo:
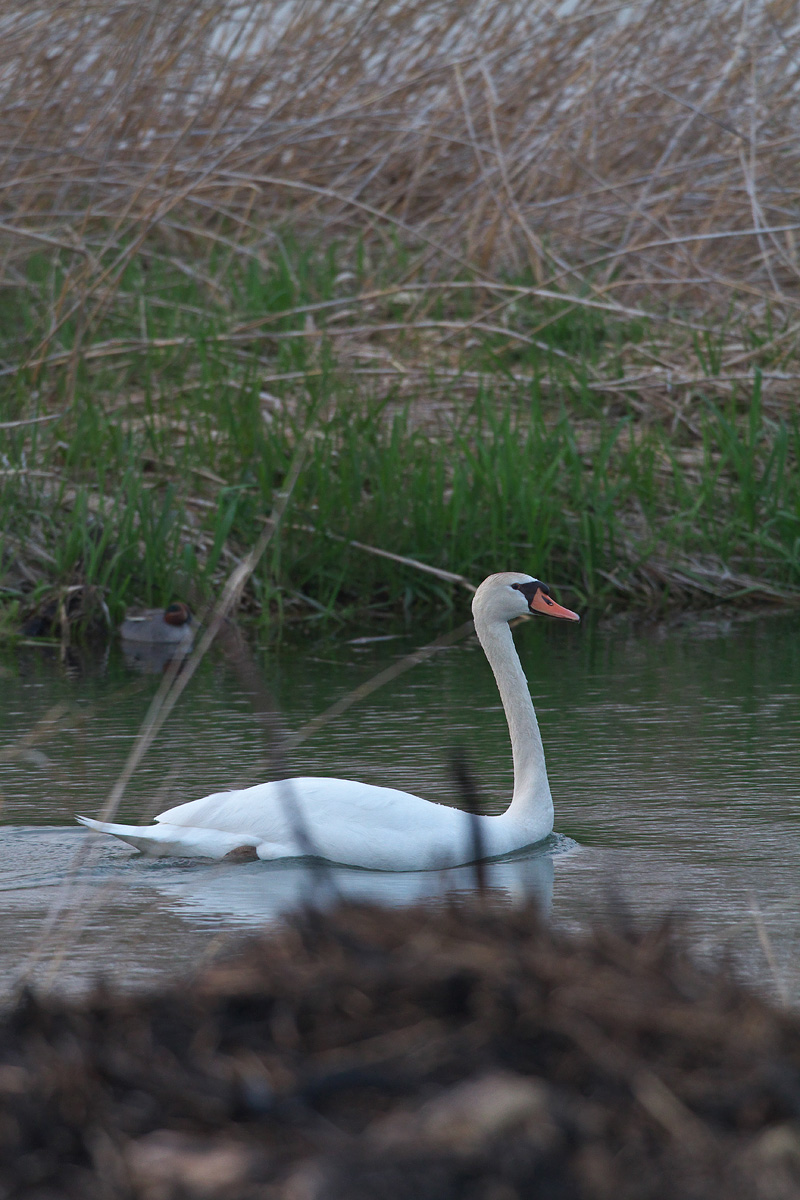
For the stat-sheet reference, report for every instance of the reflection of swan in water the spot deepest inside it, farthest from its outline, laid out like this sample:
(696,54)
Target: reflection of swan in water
(362,825)
(254,895)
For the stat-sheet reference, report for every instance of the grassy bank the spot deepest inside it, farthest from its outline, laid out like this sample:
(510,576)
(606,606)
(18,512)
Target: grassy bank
(520,307)
(145,465)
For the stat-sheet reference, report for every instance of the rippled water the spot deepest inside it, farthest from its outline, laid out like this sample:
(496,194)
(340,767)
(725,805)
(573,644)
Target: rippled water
(673,760)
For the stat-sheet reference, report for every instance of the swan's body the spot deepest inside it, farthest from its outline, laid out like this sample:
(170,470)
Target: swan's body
(367,826)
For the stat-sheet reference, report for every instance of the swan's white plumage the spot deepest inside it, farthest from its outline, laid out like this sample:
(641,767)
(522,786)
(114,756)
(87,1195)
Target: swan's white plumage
(363,825)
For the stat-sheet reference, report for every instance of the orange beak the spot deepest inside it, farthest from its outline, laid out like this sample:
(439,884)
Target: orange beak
(542,603)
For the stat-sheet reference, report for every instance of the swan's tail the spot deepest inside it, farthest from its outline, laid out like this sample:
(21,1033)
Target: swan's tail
(143,837)
(107,827)
(181,840)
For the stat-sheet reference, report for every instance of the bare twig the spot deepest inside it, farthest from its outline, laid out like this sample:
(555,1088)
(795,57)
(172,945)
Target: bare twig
(447,576)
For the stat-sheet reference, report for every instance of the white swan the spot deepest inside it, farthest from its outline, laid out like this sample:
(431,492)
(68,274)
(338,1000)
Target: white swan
(362,825)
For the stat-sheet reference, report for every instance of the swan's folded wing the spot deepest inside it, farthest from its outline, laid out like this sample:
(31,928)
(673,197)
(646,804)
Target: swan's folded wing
(274,810)
(179,840)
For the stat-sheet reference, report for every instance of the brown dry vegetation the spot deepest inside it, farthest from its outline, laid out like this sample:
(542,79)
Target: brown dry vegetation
(634,157)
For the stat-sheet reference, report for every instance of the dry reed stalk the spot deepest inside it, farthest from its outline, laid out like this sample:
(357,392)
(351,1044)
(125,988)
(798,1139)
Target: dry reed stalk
(426,568)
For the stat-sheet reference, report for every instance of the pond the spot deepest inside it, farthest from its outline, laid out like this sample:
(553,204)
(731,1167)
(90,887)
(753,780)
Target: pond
(672,753)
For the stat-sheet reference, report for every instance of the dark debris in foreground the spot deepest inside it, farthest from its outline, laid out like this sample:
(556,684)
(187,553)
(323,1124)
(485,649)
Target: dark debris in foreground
(426,1053)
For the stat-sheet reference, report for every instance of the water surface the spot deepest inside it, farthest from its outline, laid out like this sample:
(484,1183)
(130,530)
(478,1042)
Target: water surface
(673,761)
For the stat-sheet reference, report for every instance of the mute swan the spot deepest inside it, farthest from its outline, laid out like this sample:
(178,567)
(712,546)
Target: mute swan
(361,825)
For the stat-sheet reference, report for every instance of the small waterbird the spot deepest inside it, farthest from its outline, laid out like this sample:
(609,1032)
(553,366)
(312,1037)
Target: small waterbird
(361,824)
(174,624)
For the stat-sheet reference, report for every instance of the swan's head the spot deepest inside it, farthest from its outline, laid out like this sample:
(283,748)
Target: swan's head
(510,594)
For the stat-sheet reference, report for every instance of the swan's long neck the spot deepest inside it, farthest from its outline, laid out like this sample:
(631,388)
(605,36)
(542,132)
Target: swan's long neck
(531,800)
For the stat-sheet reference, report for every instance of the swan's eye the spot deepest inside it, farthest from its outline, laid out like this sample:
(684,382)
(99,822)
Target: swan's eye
(531,590)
